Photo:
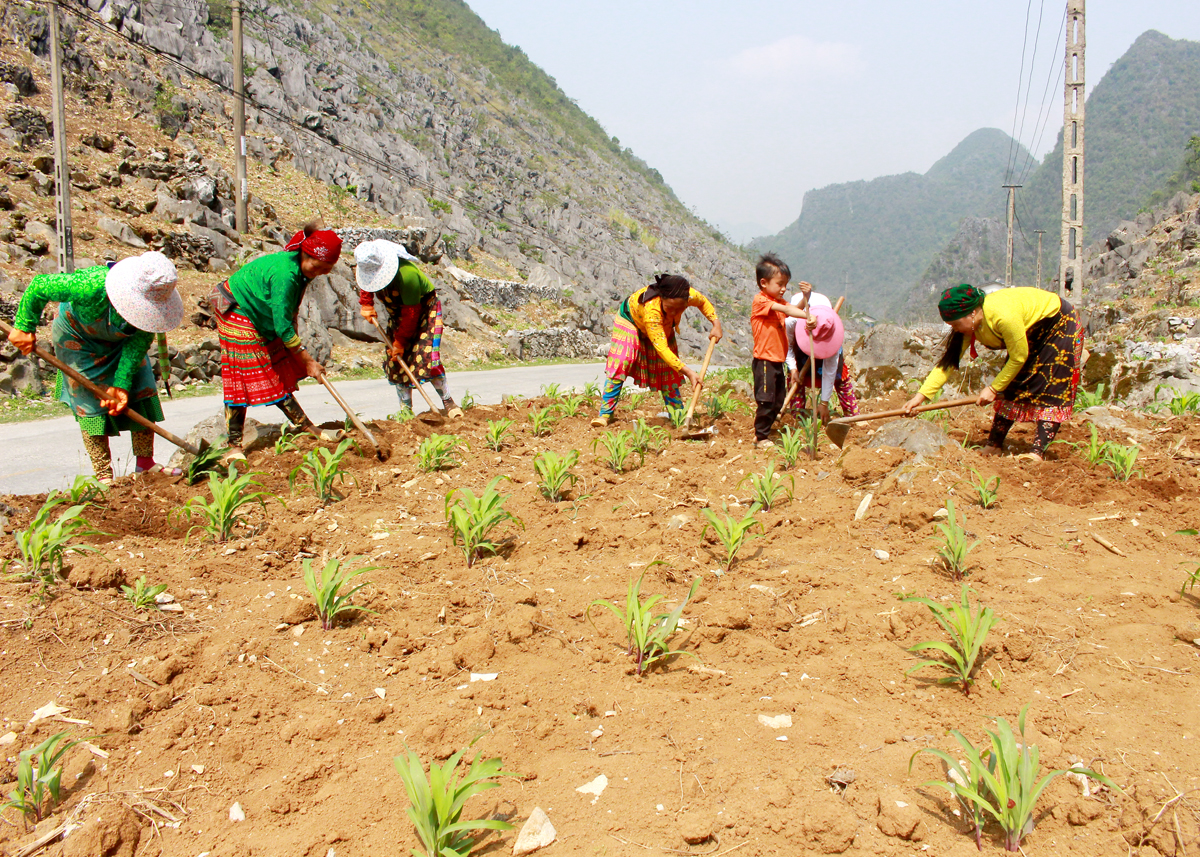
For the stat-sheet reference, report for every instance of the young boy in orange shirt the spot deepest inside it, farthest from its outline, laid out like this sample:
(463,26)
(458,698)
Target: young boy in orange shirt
(770,342)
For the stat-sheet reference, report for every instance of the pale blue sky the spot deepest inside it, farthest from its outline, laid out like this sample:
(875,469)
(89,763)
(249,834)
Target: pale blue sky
(745,106)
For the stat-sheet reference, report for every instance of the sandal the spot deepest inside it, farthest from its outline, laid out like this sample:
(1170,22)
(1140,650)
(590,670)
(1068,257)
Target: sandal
(158,468)
(233,455)
(454,413)
(602,421)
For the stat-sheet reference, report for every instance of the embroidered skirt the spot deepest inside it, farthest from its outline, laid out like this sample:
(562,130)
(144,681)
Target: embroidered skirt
(1045,386)
(418,330)
(254,372)
(630,355)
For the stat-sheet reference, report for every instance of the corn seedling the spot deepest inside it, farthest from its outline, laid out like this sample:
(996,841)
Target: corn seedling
(648,438)
(85,490)
(1189,582)
(467,401)
(1093,450)
(722,403)
(286,442)
(591,389)
(987,489)
(792,443)
(497,430)
(554,473)
(325,587)
(44,544)
(767,487)
(222,513)
(809,430)
(618,446)
(967,630)
(402,416)
(646,633)
(204,464)
(1121,460)
(551,392)
(1180,403)
(732,533)
(438,451)
(472,519)
(954,544)
(677,416)
(39,778)
(1085,399)
(435,803)
(542,421)
(141,595)
(324,468)
(571,406)
(636,399)
(1000,782)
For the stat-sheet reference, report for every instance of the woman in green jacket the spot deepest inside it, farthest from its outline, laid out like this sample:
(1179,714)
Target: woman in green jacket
(106,323)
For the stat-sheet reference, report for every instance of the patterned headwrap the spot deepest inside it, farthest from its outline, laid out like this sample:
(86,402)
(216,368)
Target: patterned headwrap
(959,301)
(667,286)
(323,244)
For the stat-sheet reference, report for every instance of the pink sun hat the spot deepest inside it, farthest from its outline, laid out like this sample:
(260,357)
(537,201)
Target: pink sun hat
(142,289)
(827,336)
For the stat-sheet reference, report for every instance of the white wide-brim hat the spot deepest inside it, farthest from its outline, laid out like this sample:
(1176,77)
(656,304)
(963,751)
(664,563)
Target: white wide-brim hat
(376,262)
(142,289)
(814,299)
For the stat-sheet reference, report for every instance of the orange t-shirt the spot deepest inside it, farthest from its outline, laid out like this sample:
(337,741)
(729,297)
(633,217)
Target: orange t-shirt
(766,324)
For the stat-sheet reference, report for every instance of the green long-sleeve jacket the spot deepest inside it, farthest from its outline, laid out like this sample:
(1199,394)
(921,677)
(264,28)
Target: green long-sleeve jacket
(269,290)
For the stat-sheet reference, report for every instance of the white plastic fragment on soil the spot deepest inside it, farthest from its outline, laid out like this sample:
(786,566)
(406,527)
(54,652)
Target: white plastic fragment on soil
(50,709)
(779,721)
(882,555)
(236,813)
(484,676)
(381,693)
(537,832)
(596,787)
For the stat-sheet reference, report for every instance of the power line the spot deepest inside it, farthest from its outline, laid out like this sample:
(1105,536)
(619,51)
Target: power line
(1012,140)
(1029,82)
(1055,72)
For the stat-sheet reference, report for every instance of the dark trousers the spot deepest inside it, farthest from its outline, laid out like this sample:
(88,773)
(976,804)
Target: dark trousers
(770,388)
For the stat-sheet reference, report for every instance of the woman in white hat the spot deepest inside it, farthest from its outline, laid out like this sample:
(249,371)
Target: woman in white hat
(106,321)
(385,270)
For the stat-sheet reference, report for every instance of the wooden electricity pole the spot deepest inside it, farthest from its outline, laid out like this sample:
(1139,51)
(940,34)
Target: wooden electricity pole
(1070,265)
(1008,256)
(62,170)
(1040,233)
(239,121)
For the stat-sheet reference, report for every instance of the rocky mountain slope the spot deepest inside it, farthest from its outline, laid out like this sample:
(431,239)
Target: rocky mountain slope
(895,234)
(366,121)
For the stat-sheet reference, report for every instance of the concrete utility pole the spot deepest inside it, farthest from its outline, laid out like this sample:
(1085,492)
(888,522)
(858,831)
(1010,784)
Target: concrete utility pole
(239,122)
(1040,233)
(1070,264)
(62,171)
(1008,257)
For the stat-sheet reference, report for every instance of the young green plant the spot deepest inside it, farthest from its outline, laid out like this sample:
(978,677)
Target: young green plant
(496,432)
(286,442)
(438,451)
(324,469)
(768,487)
(572,405)
(222,513)
(84,491)
(325,585)
(723,403)
(618,446)
(204,464)
(551,392)
(142,595)
(731,532)
(541,421)
(39,778)
(1000,782)
(44,544)
(647,634)
(792,443)
(1121,460)
(647,438)
(954,544)
(472,519)
(987,489)
(677,416)
(554,473)
(967,630)
(436,802)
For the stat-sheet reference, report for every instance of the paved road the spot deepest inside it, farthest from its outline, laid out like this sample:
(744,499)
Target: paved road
(46,454)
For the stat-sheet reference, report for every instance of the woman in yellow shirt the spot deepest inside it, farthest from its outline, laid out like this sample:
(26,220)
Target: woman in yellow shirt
(1044,340)
(643,342)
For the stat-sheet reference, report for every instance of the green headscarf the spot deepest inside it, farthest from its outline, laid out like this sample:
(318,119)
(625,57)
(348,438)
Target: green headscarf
(959,301)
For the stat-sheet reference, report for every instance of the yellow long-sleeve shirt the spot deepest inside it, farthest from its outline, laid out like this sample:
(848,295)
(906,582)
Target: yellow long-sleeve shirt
(1007,316)
(648,318)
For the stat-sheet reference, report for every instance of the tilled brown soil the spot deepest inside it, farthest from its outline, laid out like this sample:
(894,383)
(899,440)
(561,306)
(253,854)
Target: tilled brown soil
(242,698)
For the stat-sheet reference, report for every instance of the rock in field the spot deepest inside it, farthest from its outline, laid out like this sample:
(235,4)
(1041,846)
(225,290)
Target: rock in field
(897,817)
(920,437)
(537,832)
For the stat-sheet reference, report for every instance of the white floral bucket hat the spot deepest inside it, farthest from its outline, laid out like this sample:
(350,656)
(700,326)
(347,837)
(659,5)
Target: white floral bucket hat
(376,263)
(142,289)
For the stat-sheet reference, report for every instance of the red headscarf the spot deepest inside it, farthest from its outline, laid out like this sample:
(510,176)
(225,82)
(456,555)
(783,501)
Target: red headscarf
(322,244)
